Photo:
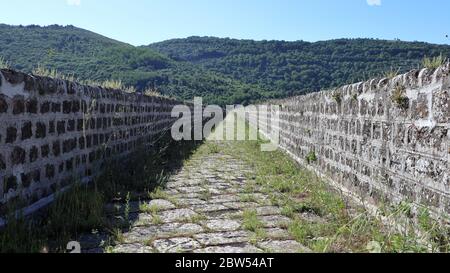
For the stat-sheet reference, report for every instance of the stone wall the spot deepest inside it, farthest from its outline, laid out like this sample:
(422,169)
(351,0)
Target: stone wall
(386,140)
(54,131)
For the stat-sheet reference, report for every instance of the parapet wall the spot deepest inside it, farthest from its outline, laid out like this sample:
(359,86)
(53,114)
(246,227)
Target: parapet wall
(54,131)
(386,140)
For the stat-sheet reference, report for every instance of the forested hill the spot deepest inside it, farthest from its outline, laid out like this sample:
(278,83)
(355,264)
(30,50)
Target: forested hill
(294,67)
(87,55)
(222,71)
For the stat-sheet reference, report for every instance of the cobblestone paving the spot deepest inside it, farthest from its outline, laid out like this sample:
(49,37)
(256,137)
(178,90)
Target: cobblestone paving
(202,212)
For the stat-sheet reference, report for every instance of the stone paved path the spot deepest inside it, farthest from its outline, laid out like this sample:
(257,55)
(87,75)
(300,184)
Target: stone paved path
(202,211)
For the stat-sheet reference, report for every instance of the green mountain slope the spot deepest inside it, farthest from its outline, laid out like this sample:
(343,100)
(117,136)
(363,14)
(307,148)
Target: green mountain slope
(222,71)
(74,50)
(289,68)
(86,55)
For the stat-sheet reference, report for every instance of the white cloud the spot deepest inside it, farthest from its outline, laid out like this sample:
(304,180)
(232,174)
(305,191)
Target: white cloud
(73,2)
(374,2)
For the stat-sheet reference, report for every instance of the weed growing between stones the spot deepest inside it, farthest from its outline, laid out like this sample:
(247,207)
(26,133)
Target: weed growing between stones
(158,193)
(337,98)
(399,97)
(205,195)
(251,221)
(311,157)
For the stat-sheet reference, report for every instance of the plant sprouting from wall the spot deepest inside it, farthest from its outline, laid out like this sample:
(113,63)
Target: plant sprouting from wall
(42,71)
(399,97)
(434,62)
(392,73)
(4,64)
(152,92)
(311,157)
(337,98)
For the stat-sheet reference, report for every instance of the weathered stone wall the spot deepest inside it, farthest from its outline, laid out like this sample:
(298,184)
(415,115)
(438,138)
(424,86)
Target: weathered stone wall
(55,131)
(384,139)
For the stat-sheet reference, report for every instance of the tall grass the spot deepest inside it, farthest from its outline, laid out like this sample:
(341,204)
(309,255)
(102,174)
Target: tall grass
(78,210)
(43,71)
(4,64)
(20,236)
(152,92)
(83,207)
(392,73)
(433,62)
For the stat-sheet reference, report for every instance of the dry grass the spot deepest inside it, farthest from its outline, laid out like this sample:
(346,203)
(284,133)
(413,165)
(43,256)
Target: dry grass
(4,64)
(392,73)
(434,62)
(108,84)
(399,97)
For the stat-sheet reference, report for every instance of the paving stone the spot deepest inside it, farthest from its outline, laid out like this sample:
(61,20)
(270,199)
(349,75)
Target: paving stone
(228,214)
(224,199)
(191,195)
(275,220)
(220,185)
(176,245)
(209,208)
(133,248)
(222,225)
(143,219)
(289,246)
(190,201)
(144,234)
(140,234)
(161,204)
(222,238)
(241,205)
(245,248)
(268,210)
(214,191)
(194,189)
(171,192)
(177,215)
(233,191)
(180,229)
(277,233)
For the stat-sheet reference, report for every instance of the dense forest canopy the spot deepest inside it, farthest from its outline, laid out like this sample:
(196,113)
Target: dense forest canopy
(222,71)
(295,67)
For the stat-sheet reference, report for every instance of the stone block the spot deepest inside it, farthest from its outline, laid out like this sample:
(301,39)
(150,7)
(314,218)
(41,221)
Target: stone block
(18,156)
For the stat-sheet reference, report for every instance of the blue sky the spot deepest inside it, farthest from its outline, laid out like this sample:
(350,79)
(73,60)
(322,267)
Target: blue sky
(145,21)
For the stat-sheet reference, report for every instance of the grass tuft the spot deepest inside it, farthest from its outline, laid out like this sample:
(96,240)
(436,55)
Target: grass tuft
(433,62)
(399,97)
(251,221)
(4,64)
(392,73)
(311,157)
